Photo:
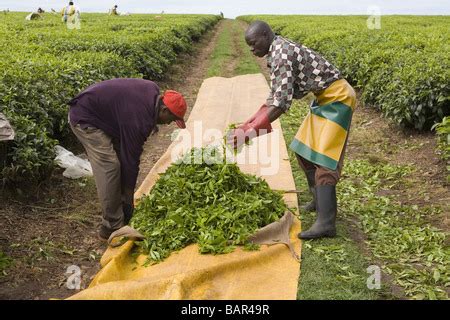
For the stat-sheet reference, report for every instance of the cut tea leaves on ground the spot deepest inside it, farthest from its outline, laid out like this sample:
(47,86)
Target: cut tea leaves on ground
(214,205)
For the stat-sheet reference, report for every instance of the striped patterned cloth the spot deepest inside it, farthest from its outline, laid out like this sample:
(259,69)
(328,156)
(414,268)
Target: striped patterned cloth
(323,133)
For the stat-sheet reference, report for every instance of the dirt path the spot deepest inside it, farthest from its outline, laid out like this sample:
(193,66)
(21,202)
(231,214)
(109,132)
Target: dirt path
(46,229)
(235,48)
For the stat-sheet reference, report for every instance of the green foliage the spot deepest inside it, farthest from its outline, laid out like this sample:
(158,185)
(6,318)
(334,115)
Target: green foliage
(333,269)
(443,133)
(202,199)
(43,65)
(32,151)
(5,263)
(403,68)
(413,250)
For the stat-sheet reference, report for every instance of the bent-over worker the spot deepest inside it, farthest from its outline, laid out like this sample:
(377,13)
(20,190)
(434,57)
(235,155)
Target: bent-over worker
(112,119)
(320,142)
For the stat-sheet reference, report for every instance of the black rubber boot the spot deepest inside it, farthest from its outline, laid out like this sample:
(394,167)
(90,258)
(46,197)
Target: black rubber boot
(310,176)
(325,225)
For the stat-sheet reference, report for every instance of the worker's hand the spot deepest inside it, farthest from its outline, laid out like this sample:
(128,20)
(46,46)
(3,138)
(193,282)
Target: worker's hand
(242,134)
(256,125)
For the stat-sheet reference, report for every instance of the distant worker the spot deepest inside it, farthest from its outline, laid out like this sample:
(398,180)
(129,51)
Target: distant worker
(112,119)
(320,142)
(68,13)
(113,11)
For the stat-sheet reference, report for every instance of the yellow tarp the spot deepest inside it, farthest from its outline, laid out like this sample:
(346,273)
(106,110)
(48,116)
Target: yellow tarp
(270,273)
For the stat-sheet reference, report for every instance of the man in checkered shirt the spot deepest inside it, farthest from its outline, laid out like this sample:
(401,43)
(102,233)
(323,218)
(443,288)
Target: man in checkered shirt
(295,71)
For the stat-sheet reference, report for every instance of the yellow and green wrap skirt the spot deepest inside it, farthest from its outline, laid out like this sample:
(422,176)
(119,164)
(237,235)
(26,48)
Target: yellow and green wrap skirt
(323,133)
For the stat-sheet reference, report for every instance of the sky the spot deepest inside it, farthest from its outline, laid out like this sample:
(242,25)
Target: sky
(233,8)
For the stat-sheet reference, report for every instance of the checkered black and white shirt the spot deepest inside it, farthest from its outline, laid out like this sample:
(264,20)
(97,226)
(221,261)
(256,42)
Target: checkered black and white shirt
(296,70)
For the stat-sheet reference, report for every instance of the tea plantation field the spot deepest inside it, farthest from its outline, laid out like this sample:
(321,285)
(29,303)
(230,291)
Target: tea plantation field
(43,64)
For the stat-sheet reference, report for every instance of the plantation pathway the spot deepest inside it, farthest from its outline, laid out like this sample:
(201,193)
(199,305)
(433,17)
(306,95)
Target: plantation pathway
(377,140)
(54,226)
(225,59)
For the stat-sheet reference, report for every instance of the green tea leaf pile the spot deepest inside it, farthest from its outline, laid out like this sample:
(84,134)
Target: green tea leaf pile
(214,205)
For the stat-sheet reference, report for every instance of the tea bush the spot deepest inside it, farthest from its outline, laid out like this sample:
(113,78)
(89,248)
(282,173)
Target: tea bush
(43,65)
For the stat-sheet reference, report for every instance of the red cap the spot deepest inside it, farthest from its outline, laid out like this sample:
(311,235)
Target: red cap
(175,102)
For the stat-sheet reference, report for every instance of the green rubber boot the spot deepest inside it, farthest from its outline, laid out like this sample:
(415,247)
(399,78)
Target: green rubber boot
(325,225)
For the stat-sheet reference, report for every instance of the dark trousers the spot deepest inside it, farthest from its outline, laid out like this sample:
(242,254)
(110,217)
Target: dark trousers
(323,175)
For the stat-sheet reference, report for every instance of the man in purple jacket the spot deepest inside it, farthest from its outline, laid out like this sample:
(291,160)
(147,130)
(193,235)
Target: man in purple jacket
(112,119)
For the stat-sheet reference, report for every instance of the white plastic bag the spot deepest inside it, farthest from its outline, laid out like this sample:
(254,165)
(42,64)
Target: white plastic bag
(75,166)
(6,131)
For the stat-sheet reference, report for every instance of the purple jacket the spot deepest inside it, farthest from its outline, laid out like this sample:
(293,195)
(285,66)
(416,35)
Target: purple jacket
(125,109)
